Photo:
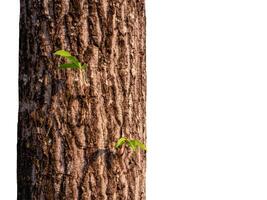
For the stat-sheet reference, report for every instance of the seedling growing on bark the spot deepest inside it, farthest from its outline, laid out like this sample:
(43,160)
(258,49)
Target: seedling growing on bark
(73,62)
(133,144)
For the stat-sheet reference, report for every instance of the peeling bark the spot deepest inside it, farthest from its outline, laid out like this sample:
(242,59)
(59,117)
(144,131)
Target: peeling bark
(69,120)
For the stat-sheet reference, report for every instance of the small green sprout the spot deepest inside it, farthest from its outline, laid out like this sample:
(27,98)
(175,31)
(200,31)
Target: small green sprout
(133,144)
(73,62)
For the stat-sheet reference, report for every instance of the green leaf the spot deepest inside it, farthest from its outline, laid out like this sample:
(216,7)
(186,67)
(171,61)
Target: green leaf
(120,142)
(74,60)
(62,53)
(68,65)
(71,60)
(139,144)
(132,144)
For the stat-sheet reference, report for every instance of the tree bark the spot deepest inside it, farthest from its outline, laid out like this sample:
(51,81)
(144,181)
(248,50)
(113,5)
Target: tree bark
(69,120)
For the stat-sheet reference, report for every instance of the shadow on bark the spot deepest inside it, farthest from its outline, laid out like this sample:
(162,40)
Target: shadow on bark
(108,156)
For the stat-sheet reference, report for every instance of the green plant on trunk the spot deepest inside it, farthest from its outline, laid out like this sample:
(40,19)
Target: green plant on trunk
(72,63)
(133,144)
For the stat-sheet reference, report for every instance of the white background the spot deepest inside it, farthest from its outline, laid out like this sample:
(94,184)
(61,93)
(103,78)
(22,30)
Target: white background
(207,99)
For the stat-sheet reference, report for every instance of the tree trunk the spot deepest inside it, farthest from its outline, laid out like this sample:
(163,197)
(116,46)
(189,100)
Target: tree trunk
(69,120)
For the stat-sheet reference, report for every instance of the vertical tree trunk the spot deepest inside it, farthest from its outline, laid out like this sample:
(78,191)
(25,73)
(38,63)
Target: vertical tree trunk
(69,120)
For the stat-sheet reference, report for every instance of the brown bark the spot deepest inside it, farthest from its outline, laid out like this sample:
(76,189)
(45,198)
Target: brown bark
(69,120)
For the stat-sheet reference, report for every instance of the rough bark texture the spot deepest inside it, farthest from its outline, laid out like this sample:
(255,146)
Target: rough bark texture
(69,120)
